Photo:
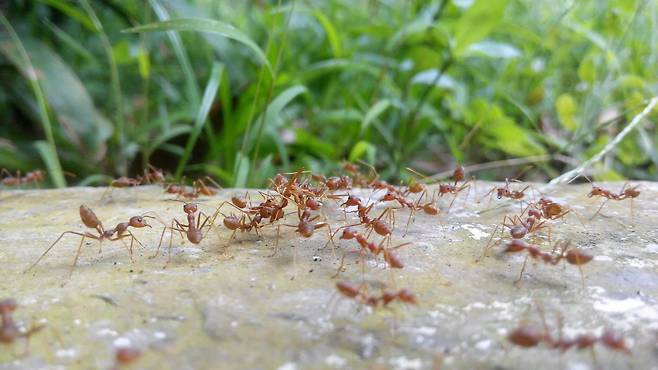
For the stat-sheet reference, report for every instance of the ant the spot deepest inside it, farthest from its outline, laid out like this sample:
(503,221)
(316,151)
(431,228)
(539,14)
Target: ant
(353,292)
(573,256)
(306,227)
(528,335)
(391,259)
(518,228)
(90,220)
(151,175)
(9,332)
(198,187)
(192,231)
(625,193)
(457,175)
(9,179)
(181,191)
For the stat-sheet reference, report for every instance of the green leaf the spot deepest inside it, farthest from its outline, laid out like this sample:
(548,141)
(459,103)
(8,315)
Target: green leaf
(65,7)
(65,94)
(241,171)
(15,51)
(274,109)
(49,157)
(361,149)
(191,86)
(374,112)
(565,105)
(587,69)
(477,22)
(208,26)
(330,31)
(208,97)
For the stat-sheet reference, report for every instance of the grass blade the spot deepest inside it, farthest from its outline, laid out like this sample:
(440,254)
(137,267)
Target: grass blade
(50,154)
(208,97)
(114,82)
(49,157)
(181,54)
(208,26)
(375,111)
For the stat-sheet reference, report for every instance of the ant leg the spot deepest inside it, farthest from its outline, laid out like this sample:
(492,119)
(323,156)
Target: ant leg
(525,261)
(489,245)
(160,243)
(411,214)
(55,242)
(599,210)
(276,244)
(77,255)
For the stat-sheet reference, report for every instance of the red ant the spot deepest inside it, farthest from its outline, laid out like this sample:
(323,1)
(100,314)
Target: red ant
(306,227)
(528,335)
(391,259)
(625,193)
(572,256)
(193,228)
(353,292)
(90,220)
(198,187)
(9,331)
(457,176)
(519,228)
(9,179)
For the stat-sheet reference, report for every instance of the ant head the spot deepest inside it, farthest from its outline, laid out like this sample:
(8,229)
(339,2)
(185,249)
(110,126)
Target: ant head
(596,191)
(8,305)
(190,208)
(502,192)
(389,196)
(407,296)
(138,221)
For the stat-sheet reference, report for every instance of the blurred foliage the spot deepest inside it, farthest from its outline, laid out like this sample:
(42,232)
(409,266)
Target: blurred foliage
(242,89)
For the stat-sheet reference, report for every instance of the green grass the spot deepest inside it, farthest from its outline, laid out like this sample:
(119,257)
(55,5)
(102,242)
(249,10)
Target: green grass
(311,83)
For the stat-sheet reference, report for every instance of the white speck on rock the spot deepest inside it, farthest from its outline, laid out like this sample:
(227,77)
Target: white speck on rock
(121,342)
(404,363)
(66,353)
(335,361)
(476,233)
(288,366)
(483,345)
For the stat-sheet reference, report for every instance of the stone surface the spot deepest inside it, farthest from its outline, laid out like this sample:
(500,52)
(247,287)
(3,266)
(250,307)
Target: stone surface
(219,306)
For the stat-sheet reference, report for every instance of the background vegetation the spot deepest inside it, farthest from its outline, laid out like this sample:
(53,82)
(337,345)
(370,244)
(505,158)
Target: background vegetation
(242,89)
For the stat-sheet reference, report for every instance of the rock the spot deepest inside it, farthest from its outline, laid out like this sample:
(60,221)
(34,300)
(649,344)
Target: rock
(219,305)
